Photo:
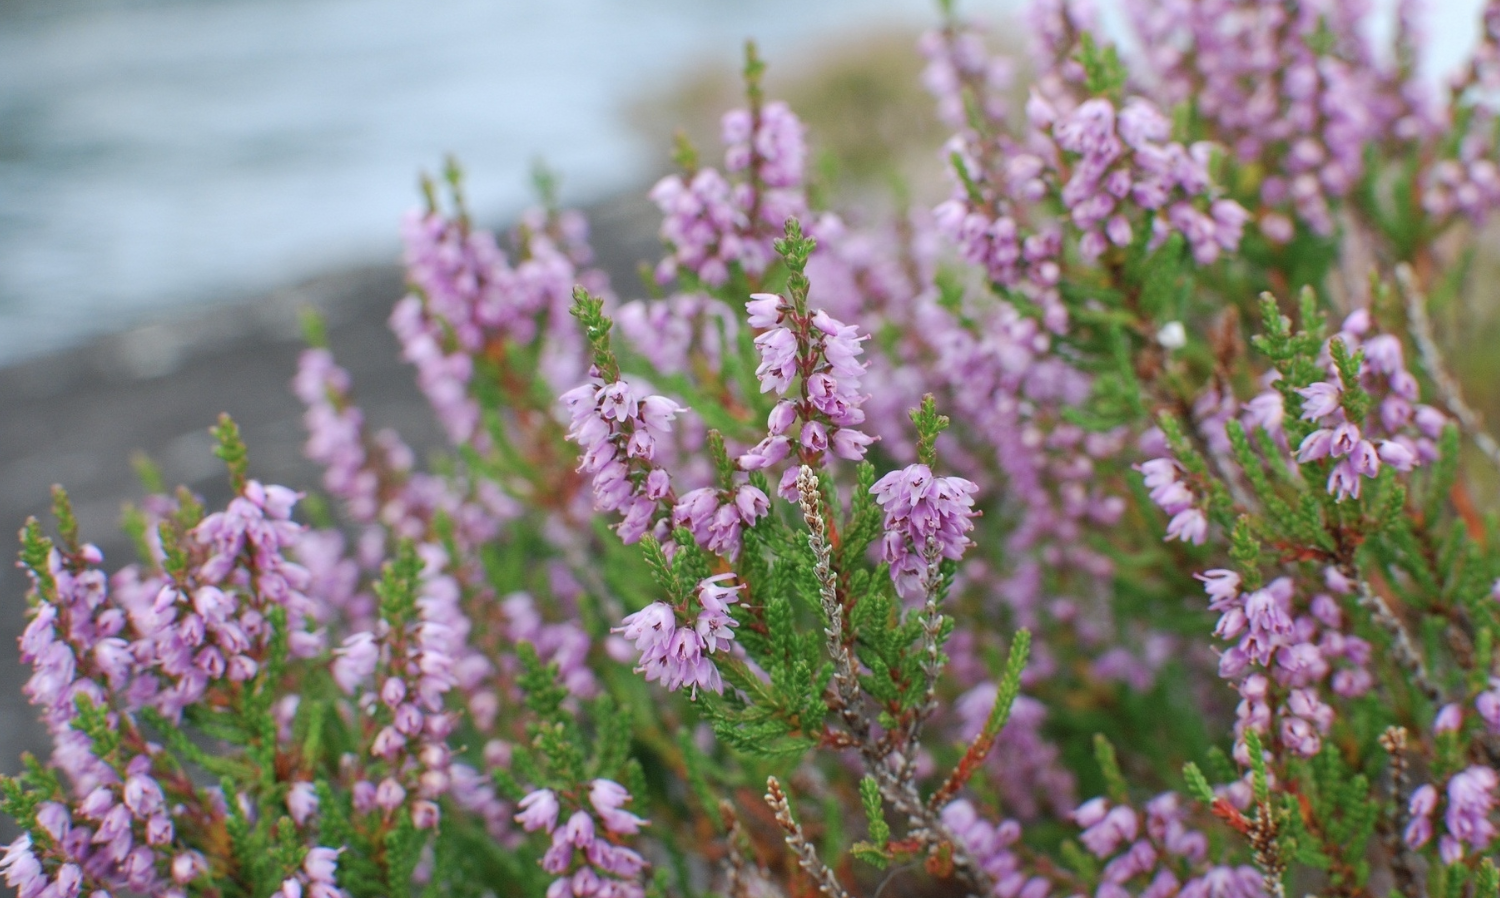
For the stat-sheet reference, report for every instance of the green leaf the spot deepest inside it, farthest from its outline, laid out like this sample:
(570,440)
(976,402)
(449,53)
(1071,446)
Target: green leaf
(1109,765)
(230,447)
(1197,784)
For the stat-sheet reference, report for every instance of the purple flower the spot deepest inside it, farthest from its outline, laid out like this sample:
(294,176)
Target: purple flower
(1487,703)
(1419,830)
(302,802)
(1117,825)
(778,359)
(607,797)
(1320,400)
(355,661)
(1189,525)
(714,623)
(1471,799)
(919,508)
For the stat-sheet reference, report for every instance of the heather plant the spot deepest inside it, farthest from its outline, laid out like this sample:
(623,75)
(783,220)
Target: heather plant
(1108,528)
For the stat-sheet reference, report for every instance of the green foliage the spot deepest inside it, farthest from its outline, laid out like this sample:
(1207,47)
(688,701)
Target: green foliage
(929,425)
(1109,765)
(589,310)
(400,581)
(1197,784)
(795,248)
(874,851)
(1259,782)
(230,448)
(1010,686)
(1101,63)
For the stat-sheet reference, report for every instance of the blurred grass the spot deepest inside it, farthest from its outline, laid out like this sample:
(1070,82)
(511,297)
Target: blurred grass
(1467,327)
(870,122)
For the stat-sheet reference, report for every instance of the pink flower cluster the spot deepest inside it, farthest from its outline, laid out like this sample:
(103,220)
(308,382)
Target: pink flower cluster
(607,869)
(676,653)
(373,475)
(1471,801)
(712,224)
(401,673)
(1410,430)
(467,296)
(316,879)
(1157,856)
(1105,165)
(1128,154)
(957,62)
(114,837)
(717,517)
(1188,522)
(672,332)
(617,433)
(1280,659)
(564,643)
(1295,89)
(196,636)
(1027,770)
(926,518)
(992,847)
(820,354)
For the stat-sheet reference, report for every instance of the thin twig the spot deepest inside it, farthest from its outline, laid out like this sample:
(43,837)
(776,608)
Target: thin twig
(1402,645)
(896,786)
(1393,741)
(1432,362)
(796,839)
(1265,844)
(845,676)
(740,873)
(932,667)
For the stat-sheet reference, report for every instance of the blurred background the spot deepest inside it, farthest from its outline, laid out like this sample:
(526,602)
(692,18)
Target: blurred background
(162,153)
(179,177)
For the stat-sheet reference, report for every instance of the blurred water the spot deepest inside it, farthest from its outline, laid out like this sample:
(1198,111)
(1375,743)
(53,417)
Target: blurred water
(162,153)
(157,154)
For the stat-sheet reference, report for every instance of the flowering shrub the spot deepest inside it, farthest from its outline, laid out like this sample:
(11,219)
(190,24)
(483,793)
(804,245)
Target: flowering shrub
(1104,531)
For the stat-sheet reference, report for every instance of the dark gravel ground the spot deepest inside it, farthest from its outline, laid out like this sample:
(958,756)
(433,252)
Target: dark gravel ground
(76,418)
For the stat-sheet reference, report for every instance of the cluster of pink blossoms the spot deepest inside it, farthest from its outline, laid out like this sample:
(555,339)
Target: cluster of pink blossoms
(617,433)
(607,869)
(163,642)
(316,878)
(94,844)
(1466,180)
(669,332)
(1027,770)
(373,474)
(1188,522)
(1294,88)
(1471,801)
(820,354)
(1158,856)
(991,847)
(676,653)
(713,224)
(401,676)
(1128,155)
(1279,659)
(564,643)
(957,61)
(926,518)
(466,295)
(716,518)
(1100,162)
(1410,430)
